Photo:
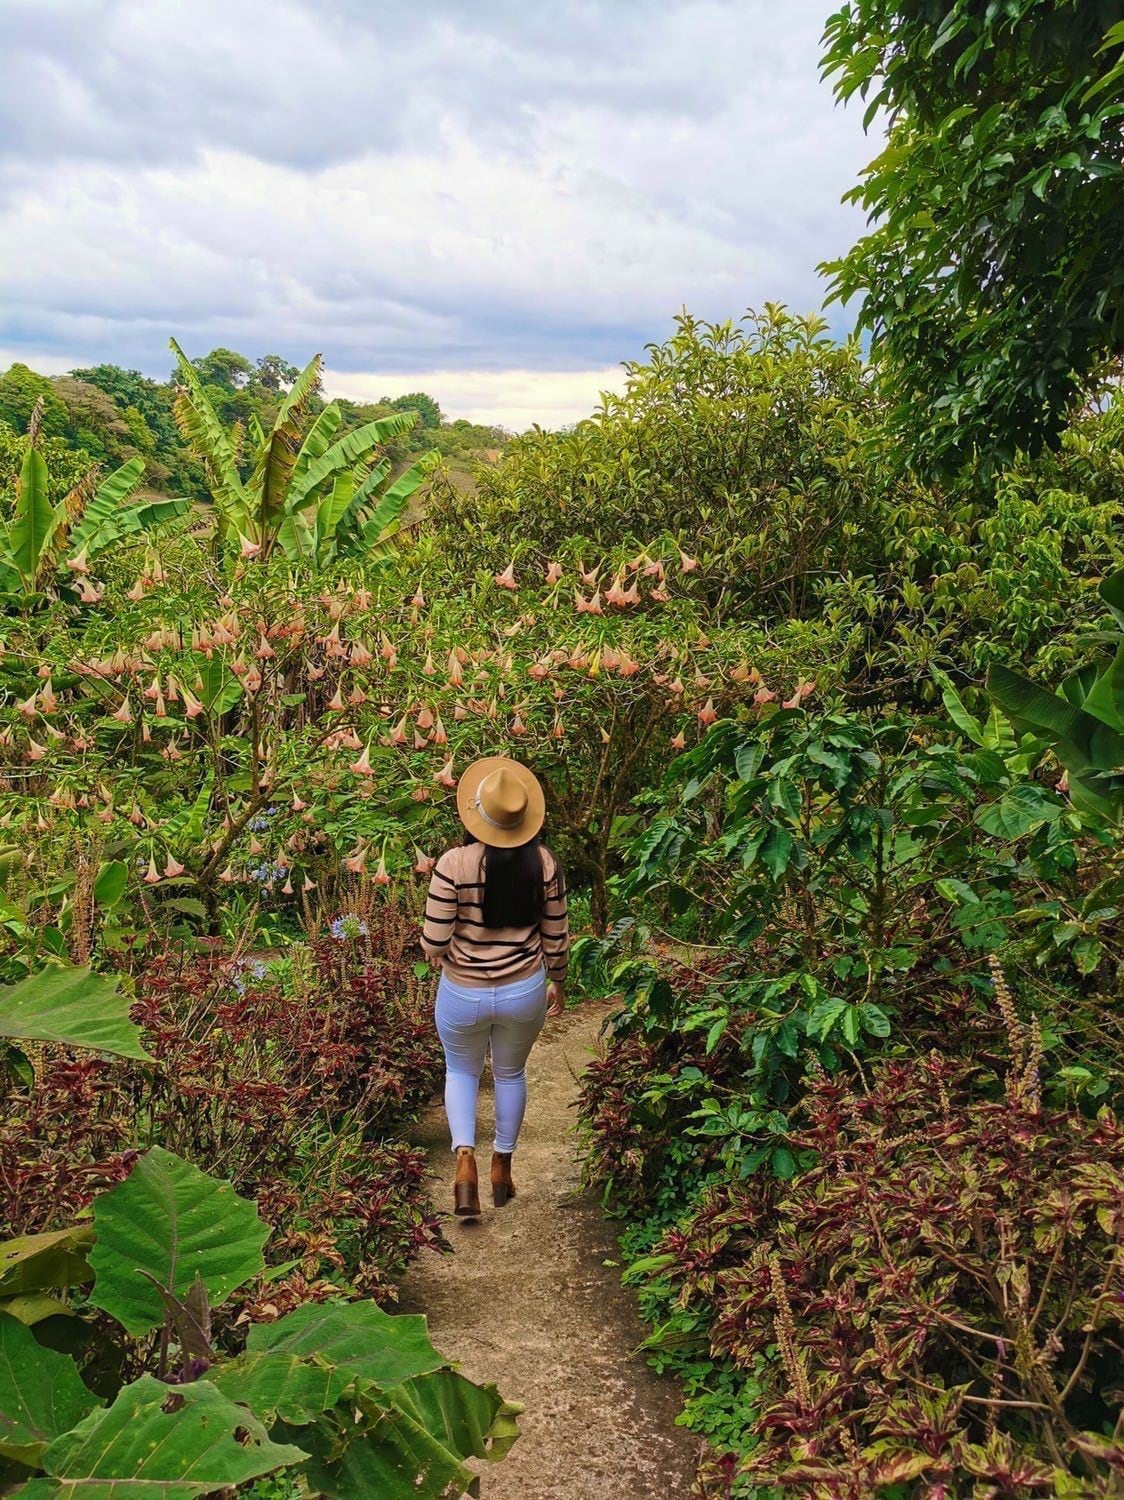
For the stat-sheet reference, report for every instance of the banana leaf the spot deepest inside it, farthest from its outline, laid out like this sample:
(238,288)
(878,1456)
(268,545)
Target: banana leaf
(277,455)
(33,519)
(98,516)
(201,427)
(317,441)
(351,449)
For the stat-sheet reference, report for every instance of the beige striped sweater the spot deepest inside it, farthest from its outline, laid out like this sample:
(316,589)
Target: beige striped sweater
(454,934)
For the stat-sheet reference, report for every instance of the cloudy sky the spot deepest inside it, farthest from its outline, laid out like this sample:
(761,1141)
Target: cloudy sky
(494,200)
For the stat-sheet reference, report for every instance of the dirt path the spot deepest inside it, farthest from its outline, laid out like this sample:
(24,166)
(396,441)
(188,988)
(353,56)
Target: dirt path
(526,1301)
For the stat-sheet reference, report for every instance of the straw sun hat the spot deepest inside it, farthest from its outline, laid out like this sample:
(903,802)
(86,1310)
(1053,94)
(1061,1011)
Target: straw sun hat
(500,802)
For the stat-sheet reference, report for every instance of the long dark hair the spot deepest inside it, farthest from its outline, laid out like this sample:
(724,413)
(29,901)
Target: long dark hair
(515,883)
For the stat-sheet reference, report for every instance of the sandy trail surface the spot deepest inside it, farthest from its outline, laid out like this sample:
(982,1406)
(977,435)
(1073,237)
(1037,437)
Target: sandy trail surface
(526,1301)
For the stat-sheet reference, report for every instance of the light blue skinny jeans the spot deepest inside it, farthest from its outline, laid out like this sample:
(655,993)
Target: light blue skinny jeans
(508,1017)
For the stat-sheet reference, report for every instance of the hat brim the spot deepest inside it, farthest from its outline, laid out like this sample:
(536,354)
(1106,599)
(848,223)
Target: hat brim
(468,788)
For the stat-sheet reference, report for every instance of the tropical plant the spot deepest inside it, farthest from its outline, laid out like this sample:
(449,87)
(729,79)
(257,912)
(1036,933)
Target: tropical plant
(989,280)
(42,537)
(315,498)
(354,1399)
(289,1078)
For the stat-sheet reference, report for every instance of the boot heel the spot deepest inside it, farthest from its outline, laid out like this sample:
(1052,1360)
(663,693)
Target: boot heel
(502,1186)
(466,1200)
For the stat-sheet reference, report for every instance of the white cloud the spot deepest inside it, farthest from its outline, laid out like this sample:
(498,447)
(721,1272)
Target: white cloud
(486,189)
(515,399)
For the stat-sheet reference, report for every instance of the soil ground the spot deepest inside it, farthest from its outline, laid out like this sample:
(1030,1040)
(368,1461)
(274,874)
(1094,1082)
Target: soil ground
(527,1301)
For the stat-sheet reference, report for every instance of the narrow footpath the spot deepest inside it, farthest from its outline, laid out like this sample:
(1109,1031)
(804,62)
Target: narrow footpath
(526,1301)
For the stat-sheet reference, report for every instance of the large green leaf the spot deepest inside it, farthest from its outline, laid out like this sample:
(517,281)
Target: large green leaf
(316,442)
(296,538)
(221,688)
(342,538)
(41,1394)
(1105,699)
(351,449)
(967,723)
(273,469)
(384,1348)
(201,426)
(172,1222)
(33,518)
(378,524)
(335,506)
(465,1417)
(1081,740)
(390,1445)
(135,520)
(377,1437)
(1112,592)
(174,1442)
(98,516)
(73,1007)
(283,1387)
(56,1258)
(188,824)
(1019,812)
(112,878)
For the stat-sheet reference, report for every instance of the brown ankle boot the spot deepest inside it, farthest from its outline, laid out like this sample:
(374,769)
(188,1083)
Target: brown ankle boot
(502,1186)
(466,1191)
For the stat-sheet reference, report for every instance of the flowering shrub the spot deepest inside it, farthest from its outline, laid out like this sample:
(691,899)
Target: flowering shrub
(937,1303)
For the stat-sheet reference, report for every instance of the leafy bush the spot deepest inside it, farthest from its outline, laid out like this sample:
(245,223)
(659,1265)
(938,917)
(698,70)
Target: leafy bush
(287,1091)
(358,1402)
(936,1301)
(743,442)
(827,879)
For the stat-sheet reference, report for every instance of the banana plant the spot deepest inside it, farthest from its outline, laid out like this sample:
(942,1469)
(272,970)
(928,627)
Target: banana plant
(1084,724)
(41,539)
(316,496)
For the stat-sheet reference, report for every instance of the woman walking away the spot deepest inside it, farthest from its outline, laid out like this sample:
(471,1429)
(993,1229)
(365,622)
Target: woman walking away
(495,921)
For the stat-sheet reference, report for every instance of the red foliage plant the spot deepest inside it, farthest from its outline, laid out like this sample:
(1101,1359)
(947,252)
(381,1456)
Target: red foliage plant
(938,1304)
(285,1091)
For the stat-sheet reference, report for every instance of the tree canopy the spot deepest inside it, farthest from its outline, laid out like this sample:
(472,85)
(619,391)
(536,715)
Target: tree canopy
(991,280)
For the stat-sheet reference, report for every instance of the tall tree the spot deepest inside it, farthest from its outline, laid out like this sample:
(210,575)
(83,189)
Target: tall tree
(991,282)
(274,373)
(429,413)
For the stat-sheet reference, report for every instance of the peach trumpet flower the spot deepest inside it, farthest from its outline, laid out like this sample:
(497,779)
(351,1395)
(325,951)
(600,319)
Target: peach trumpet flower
(445,775)
(362,766)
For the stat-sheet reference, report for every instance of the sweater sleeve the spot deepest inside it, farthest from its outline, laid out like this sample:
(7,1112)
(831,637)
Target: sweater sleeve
(554,926)
(440,911)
